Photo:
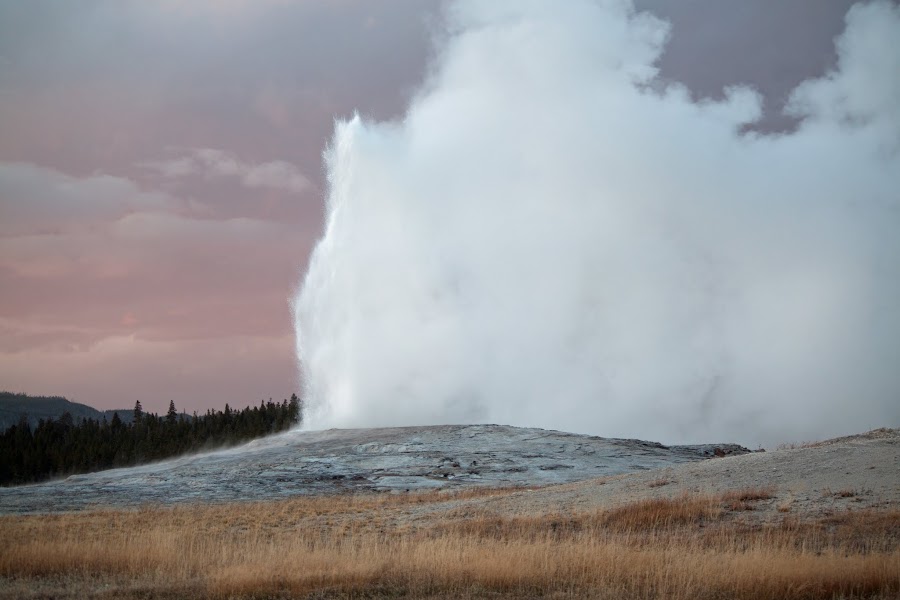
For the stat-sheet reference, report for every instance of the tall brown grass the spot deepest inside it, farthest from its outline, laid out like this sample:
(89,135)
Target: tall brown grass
(434,545)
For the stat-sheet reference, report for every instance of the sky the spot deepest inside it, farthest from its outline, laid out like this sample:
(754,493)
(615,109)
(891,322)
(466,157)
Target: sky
(162,180)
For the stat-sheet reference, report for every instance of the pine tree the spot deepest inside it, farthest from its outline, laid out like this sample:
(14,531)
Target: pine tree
(294,409)
(172,415)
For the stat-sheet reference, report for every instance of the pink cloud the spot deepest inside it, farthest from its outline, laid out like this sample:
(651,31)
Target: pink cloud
(212,163)
(127,261)
(113,293)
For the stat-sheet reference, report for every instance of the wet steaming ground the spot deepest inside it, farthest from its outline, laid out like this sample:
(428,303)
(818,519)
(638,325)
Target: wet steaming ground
(349,460)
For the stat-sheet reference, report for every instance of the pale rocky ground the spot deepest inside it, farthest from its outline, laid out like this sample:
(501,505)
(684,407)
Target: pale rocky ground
(854,472)
(563,472)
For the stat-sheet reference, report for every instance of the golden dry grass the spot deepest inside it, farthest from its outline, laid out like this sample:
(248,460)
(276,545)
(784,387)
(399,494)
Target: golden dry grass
(745,499)
(436,545)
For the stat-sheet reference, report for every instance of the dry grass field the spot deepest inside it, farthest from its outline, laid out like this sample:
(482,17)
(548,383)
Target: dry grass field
(439,545)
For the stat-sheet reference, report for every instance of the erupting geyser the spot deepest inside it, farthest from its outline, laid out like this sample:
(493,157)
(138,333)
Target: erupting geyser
(553,237)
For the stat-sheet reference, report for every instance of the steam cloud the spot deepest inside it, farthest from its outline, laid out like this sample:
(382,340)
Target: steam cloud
(553,237)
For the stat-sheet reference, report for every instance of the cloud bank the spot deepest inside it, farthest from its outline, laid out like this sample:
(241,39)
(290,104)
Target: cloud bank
(113,293)
(551,236)
(214,164)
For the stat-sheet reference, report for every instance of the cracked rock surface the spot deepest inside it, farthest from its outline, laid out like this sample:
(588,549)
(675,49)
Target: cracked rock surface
(349,460)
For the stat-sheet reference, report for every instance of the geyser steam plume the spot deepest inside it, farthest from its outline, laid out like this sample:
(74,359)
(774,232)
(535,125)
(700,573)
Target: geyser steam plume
(553,237)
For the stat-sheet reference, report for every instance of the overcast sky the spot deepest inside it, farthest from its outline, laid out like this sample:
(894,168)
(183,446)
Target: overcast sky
(161,179)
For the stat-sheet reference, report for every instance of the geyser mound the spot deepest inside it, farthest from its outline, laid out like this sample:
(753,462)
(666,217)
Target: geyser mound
(553,237)
(337,461)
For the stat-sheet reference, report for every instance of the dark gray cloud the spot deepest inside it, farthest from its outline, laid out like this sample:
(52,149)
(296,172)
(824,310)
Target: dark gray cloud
(771,46)
(99,85)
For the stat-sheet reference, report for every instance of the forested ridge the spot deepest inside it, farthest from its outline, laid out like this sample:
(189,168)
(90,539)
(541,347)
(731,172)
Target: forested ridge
(60,447)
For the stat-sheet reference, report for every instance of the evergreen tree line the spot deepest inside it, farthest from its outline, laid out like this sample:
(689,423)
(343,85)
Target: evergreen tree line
(61,447)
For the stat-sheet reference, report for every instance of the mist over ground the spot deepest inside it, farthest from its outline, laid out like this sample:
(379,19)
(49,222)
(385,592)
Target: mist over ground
(554,237)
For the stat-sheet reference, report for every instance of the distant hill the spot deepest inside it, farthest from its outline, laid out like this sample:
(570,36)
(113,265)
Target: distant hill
(35,408)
